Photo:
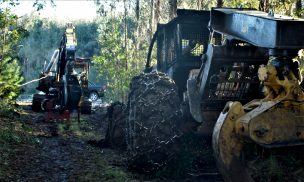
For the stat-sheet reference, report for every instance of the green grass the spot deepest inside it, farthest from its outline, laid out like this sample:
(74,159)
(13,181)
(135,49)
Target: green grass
(12,136)
(101,170)
(8,109)
(79,129)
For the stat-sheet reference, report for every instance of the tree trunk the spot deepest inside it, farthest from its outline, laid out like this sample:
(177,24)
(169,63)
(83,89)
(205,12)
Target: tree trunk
(137,10)
(264,5)
(298,9)
(155,15)
(220,3)
(150,22)
(126,35)
(172,9)
(199,4)
(137,35)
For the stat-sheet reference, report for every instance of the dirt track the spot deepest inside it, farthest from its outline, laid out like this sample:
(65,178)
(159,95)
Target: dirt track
(60,151)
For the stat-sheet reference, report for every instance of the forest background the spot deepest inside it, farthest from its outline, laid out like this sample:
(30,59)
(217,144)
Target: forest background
(116,40)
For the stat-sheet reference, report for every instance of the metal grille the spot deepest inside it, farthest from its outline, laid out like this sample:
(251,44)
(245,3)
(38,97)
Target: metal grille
(235,82)
(194,39)
(171,49)
(160,50)
(193,48)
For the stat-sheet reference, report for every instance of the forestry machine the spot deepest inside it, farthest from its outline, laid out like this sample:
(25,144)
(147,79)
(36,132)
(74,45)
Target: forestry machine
(64,82)
(238,75)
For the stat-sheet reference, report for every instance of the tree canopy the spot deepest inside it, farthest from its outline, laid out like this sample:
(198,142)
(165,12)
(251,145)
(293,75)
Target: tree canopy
(117,40)
(11,34)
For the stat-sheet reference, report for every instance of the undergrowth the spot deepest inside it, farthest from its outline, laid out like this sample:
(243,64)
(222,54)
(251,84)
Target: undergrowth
(80,129)
(281,164)
(9,109)
(12,135)
(195,156)
(100,170)
(110,174)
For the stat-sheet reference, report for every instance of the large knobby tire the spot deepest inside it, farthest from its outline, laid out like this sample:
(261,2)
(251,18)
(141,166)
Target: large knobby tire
(153,120)
(86,107)
(116,131)
(37,102)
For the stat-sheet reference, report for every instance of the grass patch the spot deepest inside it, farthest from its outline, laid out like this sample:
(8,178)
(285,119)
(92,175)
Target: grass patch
(100,170)
(114,174)
(9,109)
(80,129)
(12,136)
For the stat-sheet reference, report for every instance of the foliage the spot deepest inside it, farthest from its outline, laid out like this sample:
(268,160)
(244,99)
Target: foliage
(284,7)
(10,77)
(81,129)
(114,60)
(137,21)
(8,109)
(11,136)
(44,36)
(300,58)
(37,48)
(242,3)
(40,4)
(111,174)
(87,39)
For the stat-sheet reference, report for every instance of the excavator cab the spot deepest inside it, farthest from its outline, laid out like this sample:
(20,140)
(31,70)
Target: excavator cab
(180,45)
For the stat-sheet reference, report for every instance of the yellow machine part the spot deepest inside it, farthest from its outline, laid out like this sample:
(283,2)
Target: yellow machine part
(275,121)
(281,124)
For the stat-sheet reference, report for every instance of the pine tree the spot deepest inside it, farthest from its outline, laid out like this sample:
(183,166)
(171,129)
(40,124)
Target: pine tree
(10,78)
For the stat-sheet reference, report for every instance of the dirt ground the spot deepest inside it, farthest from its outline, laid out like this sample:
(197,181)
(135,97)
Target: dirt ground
(33,149)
